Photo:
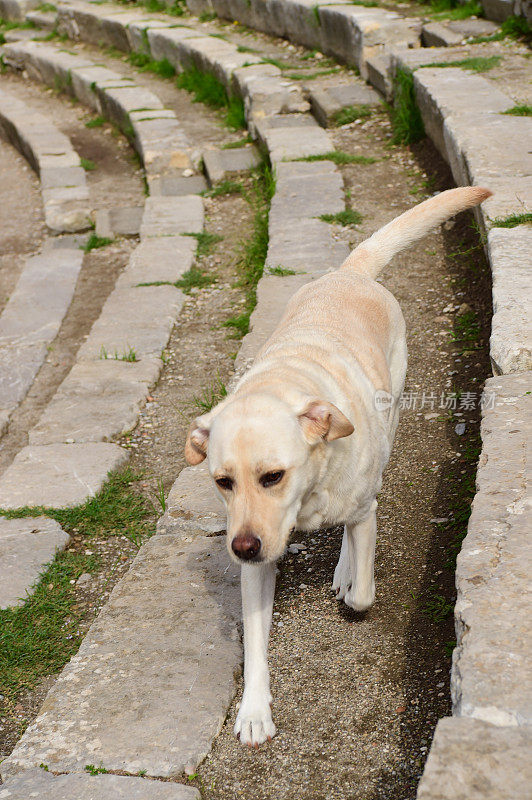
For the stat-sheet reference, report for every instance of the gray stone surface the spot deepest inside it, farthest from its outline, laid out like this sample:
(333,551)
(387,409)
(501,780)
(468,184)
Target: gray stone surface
(123,221)
(36,783)
(96,402)
(471,760)
(499,10)
(194,502)
(436,34)
(328,101)
(163,258)
(167,185)
(473,26)
(19,364)
(491,678)
(26,546)
(378,74)
(220,164)
(151,683)
(511,330)
(169,216)
(58,475)
(286,144)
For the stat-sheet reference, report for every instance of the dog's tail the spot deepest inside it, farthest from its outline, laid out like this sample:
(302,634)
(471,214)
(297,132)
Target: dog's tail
(372,255)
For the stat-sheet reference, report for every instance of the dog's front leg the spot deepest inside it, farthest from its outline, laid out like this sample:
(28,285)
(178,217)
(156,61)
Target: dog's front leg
(254,721)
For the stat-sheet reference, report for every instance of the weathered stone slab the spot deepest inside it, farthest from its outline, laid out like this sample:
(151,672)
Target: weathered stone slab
(307,248)
(327,102)
(123,221)
(36,783)
(58,475)
(26,546)
(305,190)
(511,329)
(96,402)
(473,26)
(499,10)
(471,760)
(292,143)
(163,258)
(194,501)
(491,678)
(435,34)
(219,164)
(19,364)
(161,143)
(135,323)
(151,683)
(168,185)
(169,216)
(378,74)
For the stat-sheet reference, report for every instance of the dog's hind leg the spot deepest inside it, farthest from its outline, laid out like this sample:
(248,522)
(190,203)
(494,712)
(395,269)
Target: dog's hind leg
(361,549)
(254,721)
(342,574)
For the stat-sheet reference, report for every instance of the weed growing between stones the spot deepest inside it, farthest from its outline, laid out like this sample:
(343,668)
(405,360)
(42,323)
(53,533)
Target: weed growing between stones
(405,116)
(347,217)
(97,122)
(281,272)
(206,242)
(93,242)
(207,89)
(512,221)
(520,111)
(350,114)
(224,188)
(38,638)
(162,68)
(454,9)
(512,28)
(255,249)
(177,9)
(210,397)
(87,164)
(126,355)
(339,157)
(475,64)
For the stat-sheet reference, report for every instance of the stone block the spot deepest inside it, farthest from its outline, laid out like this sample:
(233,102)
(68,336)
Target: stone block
(498,10)
(96,402)
(26,547)
(490,679)
(172,185)
(133,322)
(378,74)
(327,102)
(194,501)
(305,190)
(219,164)
(292,143)
(36,783)
(472,26)
(19,364)
(118,102)
(169,216)
(471,760)
(60,177)
(161,143)
(121,221)
(163,258)
(58,475)
(150,686)
(435,34)
(307,247)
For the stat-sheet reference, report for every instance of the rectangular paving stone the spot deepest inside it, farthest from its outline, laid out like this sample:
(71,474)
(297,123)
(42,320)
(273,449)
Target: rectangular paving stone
(219,164)
(96,402)
(26,547)
(378,74)
(58,475)
(168,185)
(308,248)
(471,760)
(491,679)
(19,364)
(292,143)
(36,783)
(169,216)
(328,101)
(150,686)
(194,502)
(511,328)
(164,258)
(305,190)
(435,34)
(120,221)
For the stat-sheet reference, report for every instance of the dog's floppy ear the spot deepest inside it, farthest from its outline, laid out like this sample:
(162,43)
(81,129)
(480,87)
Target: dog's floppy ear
(322,420)
(197,440)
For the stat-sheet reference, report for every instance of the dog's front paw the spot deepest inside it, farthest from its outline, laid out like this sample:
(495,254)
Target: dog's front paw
(254,724)
(342,579)
(360,599)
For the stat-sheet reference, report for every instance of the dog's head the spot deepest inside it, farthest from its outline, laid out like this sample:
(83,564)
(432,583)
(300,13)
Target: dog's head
(264,457)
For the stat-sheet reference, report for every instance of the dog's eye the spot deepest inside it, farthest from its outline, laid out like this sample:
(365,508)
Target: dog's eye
(225,483)
(271,478)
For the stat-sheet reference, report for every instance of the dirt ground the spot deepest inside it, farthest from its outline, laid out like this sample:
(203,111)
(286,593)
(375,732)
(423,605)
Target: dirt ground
(356,697)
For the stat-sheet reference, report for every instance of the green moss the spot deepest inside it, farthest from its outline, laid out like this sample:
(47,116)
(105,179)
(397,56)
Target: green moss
(351,113)
(476,63)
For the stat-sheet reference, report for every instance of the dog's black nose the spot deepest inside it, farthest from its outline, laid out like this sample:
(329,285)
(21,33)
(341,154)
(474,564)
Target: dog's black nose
(245,546)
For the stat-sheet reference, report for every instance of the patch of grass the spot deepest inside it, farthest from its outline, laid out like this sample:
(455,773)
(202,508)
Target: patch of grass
(210,397)
(254,250)
(160,497)
(347,217)
(224,188)
(520,111)
(194,278)
(87,164)
(453,9)
(438,608)
(366,3)
(207,89)
(309,76)
(475,64)
(277,63)
(512,28)
(241,48)
(162,68)
(94,242)
(466,331)
(315,18)
(126,355)
(405,116)
(206,242)
(512,221)
(92,770)
(281,271)
(240,143)
(97,122)
(350,114)
(207,16)
(339,157)
(38,637)
(46,8)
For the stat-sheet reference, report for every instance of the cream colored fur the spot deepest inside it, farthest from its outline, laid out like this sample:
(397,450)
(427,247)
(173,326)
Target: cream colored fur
(308,410)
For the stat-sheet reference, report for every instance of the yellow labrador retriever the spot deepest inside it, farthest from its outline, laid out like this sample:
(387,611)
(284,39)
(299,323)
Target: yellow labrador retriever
(303,440)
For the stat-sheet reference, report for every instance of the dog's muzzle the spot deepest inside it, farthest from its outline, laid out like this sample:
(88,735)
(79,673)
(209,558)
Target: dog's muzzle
(246,546)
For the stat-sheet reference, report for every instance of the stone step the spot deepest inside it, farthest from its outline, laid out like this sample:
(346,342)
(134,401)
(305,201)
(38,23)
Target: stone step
(51,155)
(149,688)
(221,164)
(26,546)
(329,101)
